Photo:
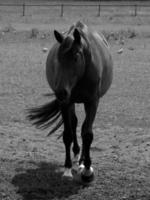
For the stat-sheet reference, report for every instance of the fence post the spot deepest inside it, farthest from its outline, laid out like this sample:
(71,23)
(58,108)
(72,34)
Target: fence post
(135,10)
(62,10)
(99,10)
(23,10)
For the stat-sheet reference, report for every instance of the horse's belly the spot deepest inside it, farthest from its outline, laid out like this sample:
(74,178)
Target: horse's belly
(106,79)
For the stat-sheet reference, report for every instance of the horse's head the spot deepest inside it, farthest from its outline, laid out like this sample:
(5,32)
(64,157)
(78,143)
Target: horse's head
(71,65)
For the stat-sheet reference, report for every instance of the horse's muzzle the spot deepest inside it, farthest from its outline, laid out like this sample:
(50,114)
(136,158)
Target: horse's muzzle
(62,96)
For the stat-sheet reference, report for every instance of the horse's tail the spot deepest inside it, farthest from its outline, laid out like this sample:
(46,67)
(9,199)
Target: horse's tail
(46,115)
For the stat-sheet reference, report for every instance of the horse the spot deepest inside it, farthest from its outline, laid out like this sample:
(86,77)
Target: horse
(79,69)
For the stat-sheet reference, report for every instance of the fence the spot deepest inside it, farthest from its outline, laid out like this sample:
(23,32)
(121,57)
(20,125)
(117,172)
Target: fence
(99,8)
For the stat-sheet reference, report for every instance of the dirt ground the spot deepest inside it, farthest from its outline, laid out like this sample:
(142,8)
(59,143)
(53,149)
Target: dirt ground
(31,163)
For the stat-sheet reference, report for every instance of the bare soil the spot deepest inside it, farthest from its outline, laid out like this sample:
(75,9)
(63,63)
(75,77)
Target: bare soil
(31,164)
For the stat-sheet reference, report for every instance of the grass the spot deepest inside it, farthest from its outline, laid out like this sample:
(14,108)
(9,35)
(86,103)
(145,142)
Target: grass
(31,164)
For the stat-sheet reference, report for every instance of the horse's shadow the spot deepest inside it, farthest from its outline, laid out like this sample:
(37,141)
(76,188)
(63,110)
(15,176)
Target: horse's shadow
(44,183)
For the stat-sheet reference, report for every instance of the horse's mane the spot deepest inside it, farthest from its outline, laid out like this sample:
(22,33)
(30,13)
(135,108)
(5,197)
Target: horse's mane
(82,28)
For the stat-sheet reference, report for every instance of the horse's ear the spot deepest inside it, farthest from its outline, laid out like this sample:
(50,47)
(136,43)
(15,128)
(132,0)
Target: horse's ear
(59,37)
(77,36)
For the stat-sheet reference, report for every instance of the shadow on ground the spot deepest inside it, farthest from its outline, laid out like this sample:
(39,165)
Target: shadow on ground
(44,183)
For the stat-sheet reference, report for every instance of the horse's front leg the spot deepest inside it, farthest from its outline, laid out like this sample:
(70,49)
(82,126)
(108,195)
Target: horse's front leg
(87,173)
(75,148)
(67,139)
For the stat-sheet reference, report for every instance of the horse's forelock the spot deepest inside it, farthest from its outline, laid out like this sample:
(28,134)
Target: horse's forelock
(67,44)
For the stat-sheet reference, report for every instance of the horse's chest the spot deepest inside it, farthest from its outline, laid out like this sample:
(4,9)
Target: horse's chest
(84,92)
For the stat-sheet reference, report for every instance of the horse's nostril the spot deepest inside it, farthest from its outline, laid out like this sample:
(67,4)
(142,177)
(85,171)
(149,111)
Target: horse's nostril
(62,94)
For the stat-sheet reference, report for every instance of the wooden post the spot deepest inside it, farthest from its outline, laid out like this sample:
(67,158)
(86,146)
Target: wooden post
(135,10)
(23,10)
(62,10)
(99,10)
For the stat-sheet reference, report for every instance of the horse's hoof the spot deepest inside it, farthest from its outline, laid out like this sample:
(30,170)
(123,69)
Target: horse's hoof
(67,174)
(87,176)
(84,176)
(67,178)
(87,179)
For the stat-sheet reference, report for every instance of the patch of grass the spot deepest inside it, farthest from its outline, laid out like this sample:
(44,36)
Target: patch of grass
(121,34)
(34,33)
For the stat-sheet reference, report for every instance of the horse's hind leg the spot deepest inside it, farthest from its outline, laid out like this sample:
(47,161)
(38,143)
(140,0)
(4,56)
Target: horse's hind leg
(87,138)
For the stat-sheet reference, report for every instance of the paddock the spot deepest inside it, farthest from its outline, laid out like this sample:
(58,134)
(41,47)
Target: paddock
(30,162)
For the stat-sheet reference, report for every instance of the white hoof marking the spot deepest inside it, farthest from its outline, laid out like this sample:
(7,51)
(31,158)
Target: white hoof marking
(81,168)
(91,170)
(88,172)
(68,173)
